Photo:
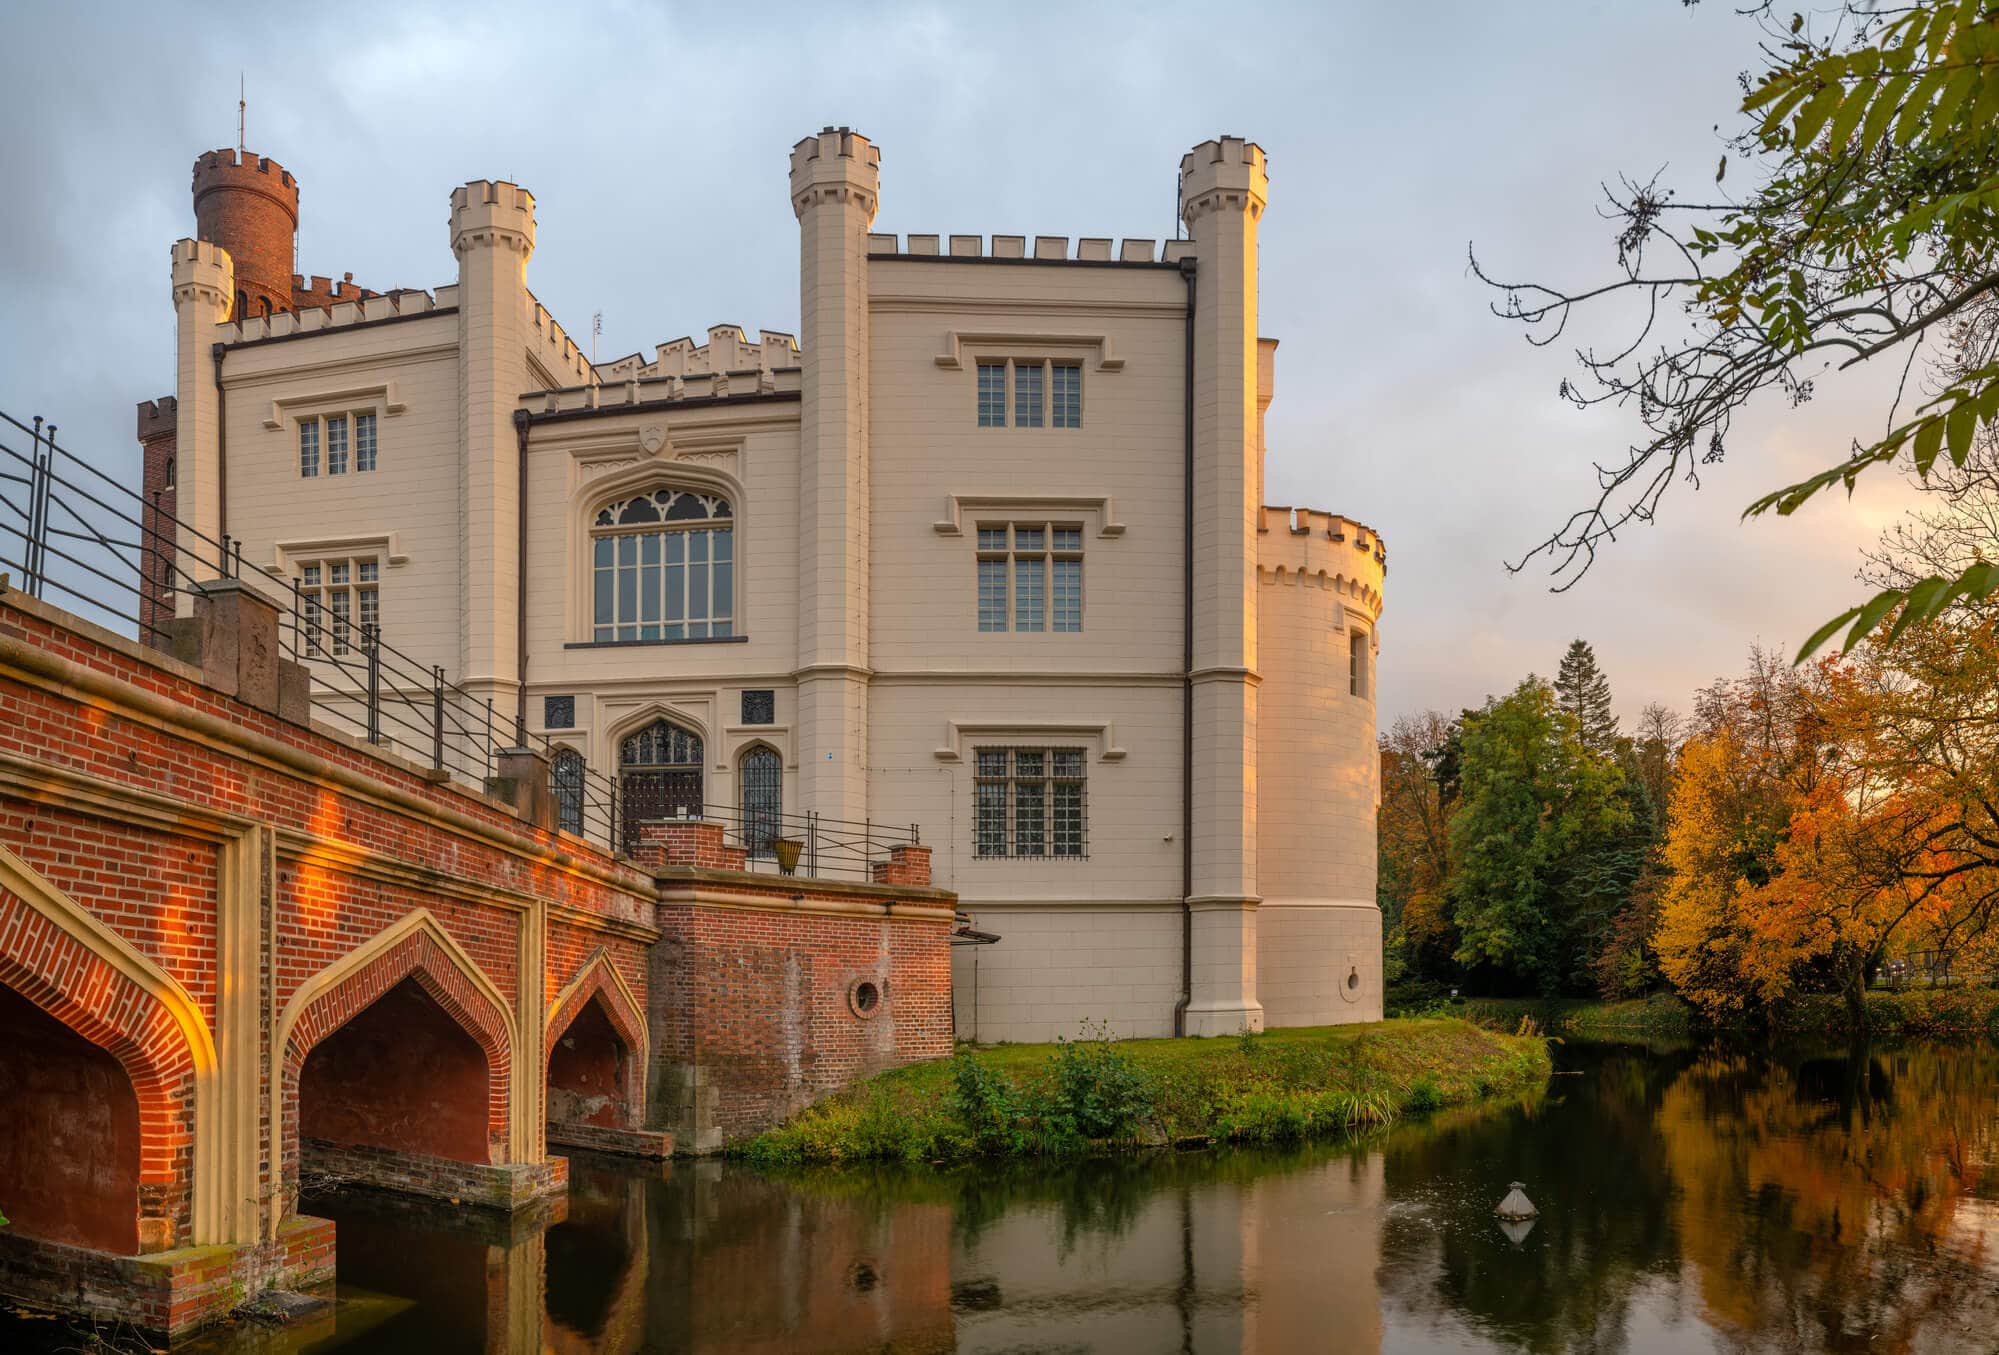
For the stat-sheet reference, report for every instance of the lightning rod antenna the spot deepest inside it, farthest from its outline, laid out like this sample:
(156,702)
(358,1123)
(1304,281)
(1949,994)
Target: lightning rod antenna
(242,114)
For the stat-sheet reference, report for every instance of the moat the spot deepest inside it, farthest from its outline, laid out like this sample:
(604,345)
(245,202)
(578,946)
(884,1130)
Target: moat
(1690,1201)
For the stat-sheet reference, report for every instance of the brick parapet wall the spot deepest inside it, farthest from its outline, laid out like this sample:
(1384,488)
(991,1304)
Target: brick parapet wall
(753,1005)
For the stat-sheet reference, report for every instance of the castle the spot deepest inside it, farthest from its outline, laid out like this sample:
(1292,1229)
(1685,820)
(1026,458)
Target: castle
(983,549)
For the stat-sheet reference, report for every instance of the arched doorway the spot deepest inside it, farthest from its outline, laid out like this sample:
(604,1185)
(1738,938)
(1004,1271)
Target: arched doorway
(69,1134)
(659,776)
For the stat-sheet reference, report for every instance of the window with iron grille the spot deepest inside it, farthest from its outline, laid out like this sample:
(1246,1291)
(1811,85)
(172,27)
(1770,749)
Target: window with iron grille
(336,597)
(1029,802)
(566,777)
(763,800)
(759,706)
(1030,576)
(330,432)
(558,712)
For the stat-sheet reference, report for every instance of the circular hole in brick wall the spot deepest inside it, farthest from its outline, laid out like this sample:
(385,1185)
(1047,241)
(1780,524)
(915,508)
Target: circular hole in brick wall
(865,997)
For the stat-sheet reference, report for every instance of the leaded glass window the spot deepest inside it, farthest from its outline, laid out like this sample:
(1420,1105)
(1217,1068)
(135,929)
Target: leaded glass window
(992,395)
(1029,802)
(1030,577)
(663,568)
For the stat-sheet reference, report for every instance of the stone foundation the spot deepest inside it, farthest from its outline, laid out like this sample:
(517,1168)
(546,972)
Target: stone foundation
(599,1138)
(169,1293)
(510,1186)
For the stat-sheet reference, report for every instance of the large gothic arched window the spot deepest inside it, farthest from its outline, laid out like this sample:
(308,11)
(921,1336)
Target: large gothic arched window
(663,567)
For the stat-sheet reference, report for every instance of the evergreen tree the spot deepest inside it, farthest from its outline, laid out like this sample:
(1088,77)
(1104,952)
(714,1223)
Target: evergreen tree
(1583,691)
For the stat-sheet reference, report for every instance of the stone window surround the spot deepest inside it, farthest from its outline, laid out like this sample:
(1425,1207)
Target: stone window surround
(383,400)
(654,472)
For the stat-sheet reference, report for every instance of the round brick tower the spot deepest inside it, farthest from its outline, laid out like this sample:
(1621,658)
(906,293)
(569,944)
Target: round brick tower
(248,204)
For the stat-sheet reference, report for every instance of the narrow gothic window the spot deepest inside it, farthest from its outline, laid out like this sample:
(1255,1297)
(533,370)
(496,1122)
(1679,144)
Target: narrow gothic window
(992,395)
(1357,663)
(763,800)
(1027,395)
(567,778)
(1067,395)
(308,448)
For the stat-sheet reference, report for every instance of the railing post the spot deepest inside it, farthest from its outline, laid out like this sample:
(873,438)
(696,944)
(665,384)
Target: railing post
(38,473)
(615,794)
(374,650)
(437,716)
(489,736)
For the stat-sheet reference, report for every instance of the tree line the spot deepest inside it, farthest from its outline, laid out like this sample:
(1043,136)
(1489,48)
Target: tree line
(1797,828)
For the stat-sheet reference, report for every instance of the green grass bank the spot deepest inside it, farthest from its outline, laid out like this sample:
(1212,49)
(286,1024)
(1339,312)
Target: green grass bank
(1958,1013)
(1097,1095)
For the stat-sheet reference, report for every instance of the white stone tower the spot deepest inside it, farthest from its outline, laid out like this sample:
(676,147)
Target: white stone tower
(204,280)
(835,181)
(1223,188)
(492,233)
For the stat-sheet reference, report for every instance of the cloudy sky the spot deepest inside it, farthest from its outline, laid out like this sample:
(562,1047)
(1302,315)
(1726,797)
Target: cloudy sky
(654,137)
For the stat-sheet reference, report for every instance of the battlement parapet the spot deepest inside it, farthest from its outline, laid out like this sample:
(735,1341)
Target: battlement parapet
(204,270)
(1298,545)
(628,390)
(158,418)
(728,352)
(318,291)
(247,171)
(554,349)
(1226,172)
(1046,248)
(837,165)
(360,306)
(492,212)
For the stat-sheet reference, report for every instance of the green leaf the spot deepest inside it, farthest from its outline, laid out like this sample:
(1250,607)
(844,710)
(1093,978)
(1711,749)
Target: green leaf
(1962,422)
(1882,111)
(1805,129)
(1929,438)
(1877,607)
(1824,633)
(1850,108)
(1926,599)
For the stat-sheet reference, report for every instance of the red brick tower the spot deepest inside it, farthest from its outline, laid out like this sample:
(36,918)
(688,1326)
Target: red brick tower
(248,204)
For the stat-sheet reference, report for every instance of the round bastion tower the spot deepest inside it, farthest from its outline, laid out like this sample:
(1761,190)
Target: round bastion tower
(248,204)
(1318,951)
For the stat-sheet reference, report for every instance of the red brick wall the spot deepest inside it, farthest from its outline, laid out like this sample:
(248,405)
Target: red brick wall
(156,886)
(69,1134)
(590,1072)
(759,1002)
(248,204)
(159,480)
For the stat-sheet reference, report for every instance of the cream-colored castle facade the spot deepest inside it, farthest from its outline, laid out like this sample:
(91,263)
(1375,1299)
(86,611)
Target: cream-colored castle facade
(982,550)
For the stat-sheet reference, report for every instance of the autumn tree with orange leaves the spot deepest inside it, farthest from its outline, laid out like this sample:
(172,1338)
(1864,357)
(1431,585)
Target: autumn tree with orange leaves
(1827,817)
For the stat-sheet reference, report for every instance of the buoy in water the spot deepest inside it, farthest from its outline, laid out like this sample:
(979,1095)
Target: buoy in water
(1516,1205)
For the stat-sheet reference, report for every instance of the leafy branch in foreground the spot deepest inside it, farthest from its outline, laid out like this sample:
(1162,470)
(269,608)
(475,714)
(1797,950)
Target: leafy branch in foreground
(1870,235)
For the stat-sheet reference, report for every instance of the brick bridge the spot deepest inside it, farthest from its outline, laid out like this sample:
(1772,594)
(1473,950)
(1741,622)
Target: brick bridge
(239,951)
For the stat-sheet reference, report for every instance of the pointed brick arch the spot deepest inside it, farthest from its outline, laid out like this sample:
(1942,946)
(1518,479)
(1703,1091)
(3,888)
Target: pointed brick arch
(416,948)
(60,957)
(600,979)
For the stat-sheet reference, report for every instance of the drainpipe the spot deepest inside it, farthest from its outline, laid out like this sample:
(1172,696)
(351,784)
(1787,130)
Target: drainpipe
(221,454)
(522,419)
(1187,271)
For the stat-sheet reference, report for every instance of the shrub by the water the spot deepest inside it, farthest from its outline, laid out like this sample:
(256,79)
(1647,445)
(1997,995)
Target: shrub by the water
(1096,1094)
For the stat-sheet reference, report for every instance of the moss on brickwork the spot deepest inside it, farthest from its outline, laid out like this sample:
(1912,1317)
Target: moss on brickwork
(1096,1095)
